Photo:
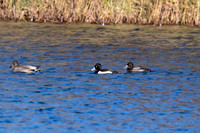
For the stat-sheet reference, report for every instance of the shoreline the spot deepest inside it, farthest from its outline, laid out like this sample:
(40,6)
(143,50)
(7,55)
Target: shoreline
(154,12)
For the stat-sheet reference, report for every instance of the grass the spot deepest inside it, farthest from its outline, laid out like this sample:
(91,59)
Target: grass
(156,12)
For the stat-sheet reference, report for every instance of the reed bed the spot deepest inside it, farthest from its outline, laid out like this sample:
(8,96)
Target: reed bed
(156,12)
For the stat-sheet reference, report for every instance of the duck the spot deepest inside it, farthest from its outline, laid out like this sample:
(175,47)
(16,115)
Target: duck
(130,68)
(98,69)
(24,68)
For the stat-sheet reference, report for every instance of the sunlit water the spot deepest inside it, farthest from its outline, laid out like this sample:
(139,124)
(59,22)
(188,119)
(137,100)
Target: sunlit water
(66,97)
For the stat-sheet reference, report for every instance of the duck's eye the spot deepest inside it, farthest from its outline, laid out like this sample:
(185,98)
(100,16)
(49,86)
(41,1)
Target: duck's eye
(96,66)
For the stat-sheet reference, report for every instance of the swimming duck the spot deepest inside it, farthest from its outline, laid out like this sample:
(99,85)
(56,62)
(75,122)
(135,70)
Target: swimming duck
(24,68)
(130,68)
(98,69)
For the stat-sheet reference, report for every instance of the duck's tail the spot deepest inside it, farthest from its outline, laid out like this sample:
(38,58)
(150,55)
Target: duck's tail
(115,72)
(38,69)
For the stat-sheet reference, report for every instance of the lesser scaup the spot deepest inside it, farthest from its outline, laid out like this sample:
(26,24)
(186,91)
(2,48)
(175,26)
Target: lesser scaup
(130,68)
(98,69)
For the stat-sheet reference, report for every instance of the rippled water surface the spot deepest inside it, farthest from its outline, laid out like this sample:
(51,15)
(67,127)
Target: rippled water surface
(66,97)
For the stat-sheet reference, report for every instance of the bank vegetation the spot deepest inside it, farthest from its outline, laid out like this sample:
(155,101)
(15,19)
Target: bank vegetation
(153,12)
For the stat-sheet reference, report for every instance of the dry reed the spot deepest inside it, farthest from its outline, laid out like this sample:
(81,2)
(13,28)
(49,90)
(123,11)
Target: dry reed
(157,12)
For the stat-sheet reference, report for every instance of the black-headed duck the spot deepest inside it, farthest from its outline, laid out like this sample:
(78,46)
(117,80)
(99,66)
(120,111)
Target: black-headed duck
(98,69)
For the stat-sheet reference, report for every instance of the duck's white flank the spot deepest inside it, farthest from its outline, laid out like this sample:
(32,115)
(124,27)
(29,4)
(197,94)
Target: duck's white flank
(105,72)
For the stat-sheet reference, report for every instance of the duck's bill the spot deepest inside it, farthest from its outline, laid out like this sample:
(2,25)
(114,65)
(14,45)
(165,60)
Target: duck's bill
(93,69)
(10,66)
(126,67)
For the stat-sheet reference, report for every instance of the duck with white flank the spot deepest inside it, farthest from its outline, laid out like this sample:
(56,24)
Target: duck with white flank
(98,70)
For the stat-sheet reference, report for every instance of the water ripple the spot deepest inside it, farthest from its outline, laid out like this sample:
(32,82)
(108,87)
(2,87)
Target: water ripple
(66,97)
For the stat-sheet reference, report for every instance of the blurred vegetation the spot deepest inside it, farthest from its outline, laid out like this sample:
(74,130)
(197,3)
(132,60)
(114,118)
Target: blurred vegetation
(156,12)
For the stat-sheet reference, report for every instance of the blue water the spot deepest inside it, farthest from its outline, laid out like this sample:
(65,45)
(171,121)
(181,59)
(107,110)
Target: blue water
(66,97)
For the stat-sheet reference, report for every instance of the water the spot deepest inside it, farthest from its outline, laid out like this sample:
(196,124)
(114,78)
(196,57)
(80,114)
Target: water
(66,97)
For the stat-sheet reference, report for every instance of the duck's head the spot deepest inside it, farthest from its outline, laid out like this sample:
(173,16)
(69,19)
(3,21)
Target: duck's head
(14,64)
(97,67)
(129,66)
